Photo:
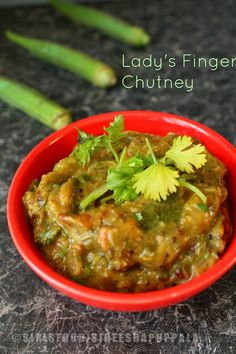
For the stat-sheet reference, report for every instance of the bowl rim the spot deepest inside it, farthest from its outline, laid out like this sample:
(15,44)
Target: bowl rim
(101,298)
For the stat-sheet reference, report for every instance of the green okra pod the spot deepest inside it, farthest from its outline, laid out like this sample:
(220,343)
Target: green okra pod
(95,71)
(104,22)
(34,103)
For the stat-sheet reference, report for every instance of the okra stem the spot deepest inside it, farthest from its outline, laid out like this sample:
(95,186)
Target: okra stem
(33,103)
(104,22)
(95,71)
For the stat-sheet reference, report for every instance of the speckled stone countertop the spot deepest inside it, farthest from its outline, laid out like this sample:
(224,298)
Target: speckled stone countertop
(34,317)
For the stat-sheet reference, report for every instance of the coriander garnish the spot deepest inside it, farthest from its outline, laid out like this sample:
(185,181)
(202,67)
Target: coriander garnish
(131,177)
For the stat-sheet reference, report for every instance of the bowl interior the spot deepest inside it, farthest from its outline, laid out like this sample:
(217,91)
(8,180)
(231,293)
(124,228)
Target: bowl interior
(58,145)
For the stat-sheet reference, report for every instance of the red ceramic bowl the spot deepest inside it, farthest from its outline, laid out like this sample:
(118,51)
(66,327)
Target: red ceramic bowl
(58,145)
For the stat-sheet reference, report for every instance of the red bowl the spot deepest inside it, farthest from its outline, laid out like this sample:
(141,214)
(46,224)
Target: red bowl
(58,145)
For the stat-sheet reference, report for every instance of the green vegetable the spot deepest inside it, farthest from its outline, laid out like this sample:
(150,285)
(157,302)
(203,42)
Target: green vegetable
(104,22)
(114,133)
(97,72)
(33,103)
(89,143)
(155,179)
(161,179)
(119,181)
(184,155)
(156,182)
(116,128)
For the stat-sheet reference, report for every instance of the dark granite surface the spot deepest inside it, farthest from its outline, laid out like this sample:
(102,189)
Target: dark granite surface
(203,324)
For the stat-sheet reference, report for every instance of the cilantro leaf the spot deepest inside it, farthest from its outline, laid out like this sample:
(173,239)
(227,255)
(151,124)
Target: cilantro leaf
(83,137)
(154,178)
(147,160)
(120,179)
(114,133)
(156,182)
(127,169)
(122,194)
(87,145)
(185,155)
(116,128)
